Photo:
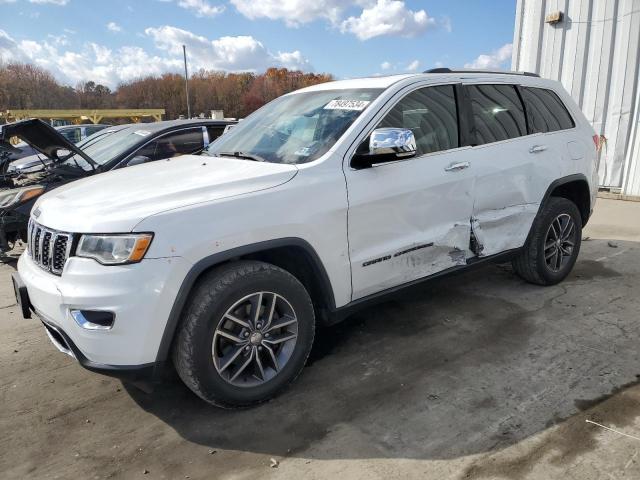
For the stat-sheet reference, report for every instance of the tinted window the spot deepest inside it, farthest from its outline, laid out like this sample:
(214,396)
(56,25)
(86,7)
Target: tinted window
(173,145)
(214,132)
(92,130)
(497,113)
(72,134)
(430,113)
(546,111)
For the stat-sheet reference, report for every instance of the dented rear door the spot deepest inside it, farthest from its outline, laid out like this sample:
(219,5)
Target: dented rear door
(410,219)
(510,175)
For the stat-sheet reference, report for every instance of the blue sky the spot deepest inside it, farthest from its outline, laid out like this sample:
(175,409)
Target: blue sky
(115,40)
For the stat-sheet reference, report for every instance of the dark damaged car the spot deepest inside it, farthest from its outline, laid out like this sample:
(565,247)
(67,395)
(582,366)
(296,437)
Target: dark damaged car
(109,149)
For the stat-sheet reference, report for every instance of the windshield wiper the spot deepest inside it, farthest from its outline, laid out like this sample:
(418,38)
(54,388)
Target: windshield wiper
(243,155)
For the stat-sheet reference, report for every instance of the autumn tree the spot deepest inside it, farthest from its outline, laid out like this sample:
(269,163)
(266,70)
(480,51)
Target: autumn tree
(25,86)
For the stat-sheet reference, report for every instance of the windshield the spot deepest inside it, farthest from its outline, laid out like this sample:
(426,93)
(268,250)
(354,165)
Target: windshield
(295,128)
(105,145)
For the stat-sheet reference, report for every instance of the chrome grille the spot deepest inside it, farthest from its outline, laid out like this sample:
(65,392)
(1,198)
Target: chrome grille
(48,248)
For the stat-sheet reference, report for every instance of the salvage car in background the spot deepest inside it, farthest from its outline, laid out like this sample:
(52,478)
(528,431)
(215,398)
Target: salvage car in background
(73,133)
(38,161)
(112,148)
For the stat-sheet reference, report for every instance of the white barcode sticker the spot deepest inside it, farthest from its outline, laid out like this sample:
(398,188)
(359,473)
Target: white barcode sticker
(357,105)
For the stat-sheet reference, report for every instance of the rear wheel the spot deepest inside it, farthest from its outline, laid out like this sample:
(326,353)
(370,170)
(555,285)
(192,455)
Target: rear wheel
(245,335)
(554,244)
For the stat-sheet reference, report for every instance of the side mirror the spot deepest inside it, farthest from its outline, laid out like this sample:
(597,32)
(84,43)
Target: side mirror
(386,145)
(137,160)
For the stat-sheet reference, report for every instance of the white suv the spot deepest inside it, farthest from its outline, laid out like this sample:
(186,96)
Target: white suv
(322,200)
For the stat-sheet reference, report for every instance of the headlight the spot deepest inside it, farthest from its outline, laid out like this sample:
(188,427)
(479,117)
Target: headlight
(115,249)
(16,196)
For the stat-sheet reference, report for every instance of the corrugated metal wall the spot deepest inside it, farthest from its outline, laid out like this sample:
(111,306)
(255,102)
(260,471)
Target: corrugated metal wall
(595,53)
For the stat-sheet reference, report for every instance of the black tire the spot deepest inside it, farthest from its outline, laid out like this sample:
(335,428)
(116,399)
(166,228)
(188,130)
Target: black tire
(217,292)
(532,265)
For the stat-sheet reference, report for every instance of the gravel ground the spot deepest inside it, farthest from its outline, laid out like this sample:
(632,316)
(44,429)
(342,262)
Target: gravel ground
(475,376)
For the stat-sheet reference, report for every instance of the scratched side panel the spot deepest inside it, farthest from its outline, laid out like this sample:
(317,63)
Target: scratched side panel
(510,185)
(408,220)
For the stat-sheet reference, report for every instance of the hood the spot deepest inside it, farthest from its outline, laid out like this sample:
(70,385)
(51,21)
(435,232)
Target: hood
(41,136)
(31,163)
(117,201)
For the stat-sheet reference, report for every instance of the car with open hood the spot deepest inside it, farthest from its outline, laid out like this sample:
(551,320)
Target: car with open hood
(73,133)
(29,160)
(109,149)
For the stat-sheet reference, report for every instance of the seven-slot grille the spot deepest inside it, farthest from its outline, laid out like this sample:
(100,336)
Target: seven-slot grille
(48,248)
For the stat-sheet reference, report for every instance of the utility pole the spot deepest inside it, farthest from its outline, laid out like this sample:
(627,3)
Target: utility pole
(186,80)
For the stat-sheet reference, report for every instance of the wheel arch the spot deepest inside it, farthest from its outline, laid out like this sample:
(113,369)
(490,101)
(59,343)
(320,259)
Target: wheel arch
(294,255)
(575,188)
(572,187)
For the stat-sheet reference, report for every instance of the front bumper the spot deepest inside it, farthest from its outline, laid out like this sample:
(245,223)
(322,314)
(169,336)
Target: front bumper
(139,295)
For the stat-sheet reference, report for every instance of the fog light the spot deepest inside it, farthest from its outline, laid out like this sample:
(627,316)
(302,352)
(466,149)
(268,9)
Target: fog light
(93,319)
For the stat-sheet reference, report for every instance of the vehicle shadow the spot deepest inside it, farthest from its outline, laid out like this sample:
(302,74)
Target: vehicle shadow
(463,365)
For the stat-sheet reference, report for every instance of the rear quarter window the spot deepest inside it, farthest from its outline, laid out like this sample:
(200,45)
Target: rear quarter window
(498,113)
(546,111)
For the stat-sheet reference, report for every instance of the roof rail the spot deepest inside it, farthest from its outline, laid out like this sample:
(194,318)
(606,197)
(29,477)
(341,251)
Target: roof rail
(467,70)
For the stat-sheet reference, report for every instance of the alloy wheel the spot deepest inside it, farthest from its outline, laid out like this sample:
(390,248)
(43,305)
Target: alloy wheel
(255,339)
(559,242)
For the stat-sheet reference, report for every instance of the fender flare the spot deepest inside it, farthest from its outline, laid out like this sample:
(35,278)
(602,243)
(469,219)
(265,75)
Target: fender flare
(555,184)
(217,258)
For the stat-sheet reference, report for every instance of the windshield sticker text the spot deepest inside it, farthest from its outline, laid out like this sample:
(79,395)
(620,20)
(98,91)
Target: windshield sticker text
(357,105)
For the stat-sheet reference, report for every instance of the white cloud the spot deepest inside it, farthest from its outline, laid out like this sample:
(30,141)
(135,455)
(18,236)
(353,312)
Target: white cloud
(385,65)
(60,40)
(109,67)
(52,2)
(242,53)
(114,27)
(293,12)
(293,60)
(495,59)
(388,17)
(202,8)
(377,17)
(413,66)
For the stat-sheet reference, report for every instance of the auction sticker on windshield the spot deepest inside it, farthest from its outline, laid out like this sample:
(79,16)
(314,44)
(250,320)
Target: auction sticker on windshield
(357,105)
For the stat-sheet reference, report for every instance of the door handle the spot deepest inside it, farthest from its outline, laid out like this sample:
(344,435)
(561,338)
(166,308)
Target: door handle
(537,149)
(454,167)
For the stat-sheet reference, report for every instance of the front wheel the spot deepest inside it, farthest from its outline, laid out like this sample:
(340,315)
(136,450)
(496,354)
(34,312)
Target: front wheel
(245,335)
(552,249)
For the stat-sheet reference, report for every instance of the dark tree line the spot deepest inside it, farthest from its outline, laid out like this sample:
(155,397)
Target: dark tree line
(26,86)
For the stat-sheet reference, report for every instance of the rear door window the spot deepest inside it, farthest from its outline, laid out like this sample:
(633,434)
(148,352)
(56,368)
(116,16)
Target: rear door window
(431,114)
(546,111)
(498,113)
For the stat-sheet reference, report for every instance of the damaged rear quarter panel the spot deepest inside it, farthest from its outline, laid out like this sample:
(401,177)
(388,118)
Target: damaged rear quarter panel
(502,229)
(510,185)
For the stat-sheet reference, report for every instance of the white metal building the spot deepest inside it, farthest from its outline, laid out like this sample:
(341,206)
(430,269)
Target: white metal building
(593,48)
